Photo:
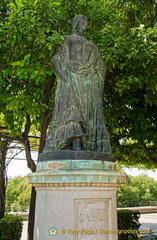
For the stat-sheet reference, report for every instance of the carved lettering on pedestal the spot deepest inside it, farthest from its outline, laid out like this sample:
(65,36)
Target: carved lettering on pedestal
(91,215)
(97,216)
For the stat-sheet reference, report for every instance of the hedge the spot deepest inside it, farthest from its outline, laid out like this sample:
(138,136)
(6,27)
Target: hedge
(128,220)
(11,227)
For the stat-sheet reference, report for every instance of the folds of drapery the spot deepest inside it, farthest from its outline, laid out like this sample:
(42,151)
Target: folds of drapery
(78,108)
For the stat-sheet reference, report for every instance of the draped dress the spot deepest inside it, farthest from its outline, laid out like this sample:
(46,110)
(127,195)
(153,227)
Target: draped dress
(78,111)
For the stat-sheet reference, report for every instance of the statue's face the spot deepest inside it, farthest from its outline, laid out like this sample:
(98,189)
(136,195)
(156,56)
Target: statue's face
(80,27)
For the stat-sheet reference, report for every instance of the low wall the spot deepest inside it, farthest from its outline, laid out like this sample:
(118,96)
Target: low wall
(24,215)
(143,210)
(149,209)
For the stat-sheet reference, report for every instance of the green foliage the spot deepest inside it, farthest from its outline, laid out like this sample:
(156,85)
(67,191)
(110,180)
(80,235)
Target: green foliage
(128,220)
(131,93)
(28,45)
(127,195)
(147,187)
(31,32)
(125,32)
(141,189)
(11,227)
(18,194)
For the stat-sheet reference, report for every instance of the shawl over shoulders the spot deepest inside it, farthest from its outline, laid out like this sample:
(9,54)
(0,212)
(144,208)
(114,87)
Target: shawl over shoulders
(78,111)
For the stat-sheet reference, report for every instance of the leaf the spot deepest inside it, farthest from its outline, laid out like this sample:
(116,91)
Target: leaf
(20,70)
(27,57)
(19,35)
(51,38)
(18,63)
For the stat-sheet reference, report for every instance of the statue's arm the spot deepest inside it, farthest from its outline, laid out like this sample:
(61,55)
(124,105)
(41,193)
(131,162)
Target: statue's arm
(59,60)
(100,65)
(61,74)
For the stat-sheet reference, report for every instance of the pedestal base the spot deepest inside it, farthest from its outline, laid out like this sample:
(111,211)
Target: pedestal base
(76,200)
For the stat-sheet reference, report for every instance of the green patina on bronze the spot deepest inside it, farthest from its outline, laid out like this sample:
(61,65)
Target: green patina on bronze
(77,171)
(78,121)
(69,164)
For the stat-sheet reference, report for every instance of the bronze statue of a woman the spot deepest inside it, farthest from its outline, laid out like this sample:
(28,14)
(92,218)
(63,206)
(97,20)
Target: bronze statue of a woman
(78,121)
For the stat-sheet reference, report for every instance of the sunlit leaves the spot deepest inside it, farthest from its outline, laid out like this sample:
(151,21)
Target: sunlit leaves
(130,53)
(126,35)
(18,194)
(140,189)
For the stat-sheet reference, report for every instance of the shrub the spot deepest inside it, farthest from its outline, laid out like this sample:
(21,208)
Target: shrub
(128,220)
(11,227)
(18,194)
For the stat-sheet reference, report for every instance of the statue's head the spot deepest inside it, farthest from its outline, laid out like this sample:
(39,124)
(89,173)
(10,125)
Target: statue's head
(79,24)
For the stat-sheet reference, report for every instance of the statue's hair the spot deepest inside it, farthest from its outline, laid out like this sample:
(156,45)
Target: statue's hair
(77,18)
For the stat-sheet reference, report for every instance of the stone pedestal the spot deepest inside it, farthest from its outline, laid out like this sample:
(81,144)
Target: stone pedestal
(76,198)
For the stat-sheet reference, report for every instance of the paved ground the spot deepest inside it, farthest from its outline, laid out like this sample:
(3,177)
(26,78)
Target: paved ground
(24,232)
(148,221)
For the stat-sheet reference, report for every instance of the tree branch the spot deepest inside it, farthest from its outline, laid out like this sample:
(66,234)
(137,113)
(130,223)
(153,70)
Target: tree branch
(33,137)
(25,84)
(30,161)
(45,116)
(44,126)
(48,115)
(48,89)
(7,134)
(7,163)
(27,127)
(5,128)
(149,151)
(125,146)
(11,139)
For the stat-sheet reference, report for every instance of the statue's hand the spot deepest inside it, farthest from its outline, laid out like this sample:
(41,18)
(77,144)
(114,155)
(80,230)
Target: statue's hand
(63,76)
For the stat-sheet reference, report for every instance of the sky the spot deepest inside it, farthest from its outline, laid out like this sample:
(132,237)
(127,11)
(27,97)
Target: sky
(18,167)
(136,172)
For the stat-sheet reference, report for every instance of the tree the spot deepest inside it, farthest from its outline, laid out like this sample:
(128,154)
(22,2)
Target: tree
(30,32)
(126,37)
(147,187)
(140,189)
(7,152)
(3,152)
(128,195)
(18,194)
(130,52)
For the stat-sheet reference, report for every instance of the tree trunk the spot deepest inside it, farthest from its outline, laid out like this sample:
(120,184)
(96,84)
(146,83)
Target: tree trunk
(32,214)
(3,153)
(32,166)
(44,124)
